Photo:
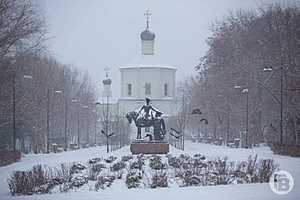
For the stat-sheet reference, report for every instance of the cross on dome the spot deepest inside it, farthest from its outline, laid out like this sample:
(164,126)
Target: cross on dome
(147,14)
(146,35)
(106,69)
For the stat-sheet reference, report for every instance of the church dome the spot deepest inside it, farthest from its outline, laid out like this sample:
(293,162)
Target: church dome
(107,81)
(147,35)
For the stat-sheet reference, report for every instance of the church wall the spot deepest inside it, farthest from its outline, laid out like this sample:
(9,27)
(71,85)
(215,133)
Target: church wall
(167,77)
(138,77)
(129,77)
(168,107)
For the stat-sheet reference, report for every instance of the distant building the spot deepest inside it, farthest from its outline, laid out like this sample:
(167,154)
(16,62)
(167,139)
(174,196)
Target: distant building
(147,77)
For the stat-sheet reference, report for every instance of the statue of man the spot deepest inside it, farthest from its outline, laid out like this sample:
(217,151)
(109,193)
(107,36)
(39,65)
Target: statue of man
(147,115)
(159,127)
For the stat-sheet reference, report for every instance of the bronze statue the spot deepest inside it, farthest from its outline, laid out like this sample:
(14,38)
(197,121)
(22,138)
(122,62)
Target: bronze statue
(146,119)
(159,127)
(147,115)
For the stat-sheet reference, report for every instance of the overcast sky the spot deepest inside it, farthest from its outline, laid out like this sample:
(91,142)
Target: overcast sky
(94,34)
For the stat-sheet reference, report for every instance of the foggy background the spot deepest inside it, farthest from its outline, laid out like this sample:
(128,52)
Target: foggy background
(94,34)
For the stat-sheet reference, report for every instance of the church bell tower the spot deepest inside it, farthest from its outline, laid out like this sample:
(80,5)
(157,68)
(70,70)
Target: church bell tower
(147,38)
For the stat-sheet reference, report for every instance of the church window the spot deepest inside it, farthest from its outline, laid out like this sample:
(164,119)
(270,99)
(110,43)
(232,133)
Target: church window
(129,89)
(147,88)
(166,89)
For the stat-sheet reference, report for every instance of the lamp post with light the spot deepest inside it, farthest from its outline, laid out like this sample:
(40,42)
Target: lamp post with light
(48,117)
(228,117)
(270,69)
(14,106)
(245,91)
(107,93)
(78,121)
(96,122)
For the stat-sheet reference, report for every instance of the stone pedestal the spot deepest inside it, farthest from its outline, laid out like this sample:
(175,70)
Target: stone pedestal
(143,147)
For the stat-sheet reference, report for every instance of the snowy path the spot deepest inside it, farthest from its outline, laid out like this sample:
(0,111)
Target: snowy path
(119,191)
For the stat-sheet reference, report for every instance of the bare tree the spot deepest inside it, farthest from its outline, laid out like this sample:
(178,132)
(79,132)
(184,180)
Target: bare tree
(241,48)
(21,27)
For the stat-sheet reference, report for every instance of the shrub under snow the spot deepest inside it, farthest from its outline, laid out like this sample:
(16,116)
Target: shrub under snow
(133,178)
(146,171)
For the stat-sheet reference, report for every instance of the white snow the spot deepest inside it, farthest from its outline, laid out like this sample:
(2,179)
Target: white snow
(148,61)
(118,190)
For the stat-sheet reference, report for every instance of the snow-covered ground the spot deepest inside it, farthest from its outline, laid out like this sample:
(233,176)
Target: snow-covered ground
(118,190)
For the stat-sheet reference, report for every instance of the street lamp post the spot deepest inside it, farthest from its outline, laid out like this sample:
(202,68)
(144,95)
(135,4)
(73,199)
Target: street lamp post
(14,106)
(281,104)
(78,127)
(228,118)
(66,124)
(48,118)
(269,69)
(87,126)
(96,121)
(95,127)
(245,91)
(14,113)
(247,114)
(107,93)
(78,121)
(106,124)
(65,112)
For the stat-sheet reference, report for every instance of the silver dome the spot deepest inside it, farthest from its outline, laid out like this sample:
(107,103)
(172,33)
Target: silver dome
(147,35)
(107,81)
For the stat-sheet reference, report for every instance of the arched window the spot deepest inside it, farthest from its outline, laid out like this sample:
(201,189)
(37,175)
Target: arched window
(129,89)
(147,88)
(166,89)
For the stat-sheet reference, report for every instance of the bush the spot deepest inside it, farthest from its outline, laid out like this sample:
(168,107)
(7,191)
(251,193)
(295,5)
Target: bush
(78,181)
(110,159)
(118,174)
(98,167)
(174,162)
(27,182)
(104,181)
(139,163)
(94,160)
(266,168)
(92,174)
(94,170)
(189,171)
(126,158)
(77,168)
(289,150)
(133,179)
(186,161)
(118,166)
(64,172)
(159,180)
(156,163)
(9,157)
(221,172)
(62,176)
(191,179)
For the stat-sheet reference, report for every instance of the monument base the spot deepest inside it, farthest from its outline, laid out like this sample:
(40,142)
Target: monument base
(146,147)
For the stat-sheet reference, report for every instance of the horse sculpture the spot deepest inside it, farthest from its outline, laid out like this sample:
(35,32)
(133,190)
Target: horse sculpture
(157,123)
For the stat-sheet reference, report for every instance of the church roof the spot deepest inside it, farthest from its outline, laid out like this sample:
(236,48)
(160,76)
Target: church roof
(107,81)
(147,61)
(147,35)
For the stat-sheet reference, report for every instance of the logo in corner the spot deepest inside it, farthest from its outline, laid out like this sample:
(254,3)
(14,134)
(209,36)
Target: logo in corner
(281,182)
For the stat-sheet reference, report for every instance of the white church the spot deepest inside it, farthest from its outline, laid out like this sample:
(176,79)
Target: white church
(147,77)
